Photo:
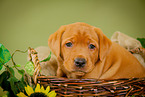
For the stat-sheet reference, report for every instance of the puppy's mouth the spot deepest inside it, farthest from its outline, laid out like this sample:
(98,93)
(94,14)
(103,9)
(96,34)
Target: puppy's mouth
(79,73)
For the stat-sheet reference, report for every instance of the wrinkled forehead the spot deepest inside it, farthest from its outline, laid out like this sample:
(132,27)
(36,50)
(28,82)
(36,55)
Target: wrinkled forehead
(79,31)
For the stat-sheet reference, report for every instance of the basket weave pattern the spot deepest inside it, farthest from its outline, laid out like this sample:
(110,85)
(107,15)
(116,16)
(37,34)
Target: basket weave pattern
(88,87)
(93,87)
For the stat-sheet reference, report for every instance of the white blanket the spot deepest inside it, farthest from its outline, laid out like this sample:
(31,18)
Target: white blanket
(129,43)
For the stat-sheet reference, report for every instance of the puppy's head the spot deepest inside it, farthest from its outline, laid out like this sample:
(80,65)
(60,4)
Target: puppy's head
(79,47)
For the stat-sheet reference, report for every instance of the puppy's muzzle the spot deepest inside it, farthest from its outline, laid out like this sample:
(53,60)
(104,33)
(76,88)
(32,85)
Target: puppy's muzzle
(80,62)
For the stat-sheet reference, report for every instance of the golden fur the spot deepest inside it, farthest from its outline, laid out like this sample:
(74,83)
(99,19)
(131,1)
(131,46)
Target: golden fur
(107,60)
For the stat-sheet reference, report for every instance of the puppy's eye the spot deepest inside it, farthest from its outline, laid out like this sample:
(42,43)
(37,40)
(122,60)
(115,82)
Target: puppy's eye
(69,44)
(91,46)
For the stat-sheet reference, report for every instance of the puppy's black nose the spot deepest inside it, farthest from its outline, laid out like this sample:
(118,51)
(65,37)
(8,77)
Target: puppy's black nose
(80,62)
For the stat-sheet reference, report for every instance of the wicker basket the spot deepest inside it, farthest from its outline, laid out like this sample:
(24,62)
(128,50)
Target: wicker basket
(89,87)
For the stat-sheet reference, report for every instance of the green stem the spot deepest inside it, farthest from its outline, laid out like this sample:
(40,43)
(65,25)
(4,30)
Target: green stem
(13,56)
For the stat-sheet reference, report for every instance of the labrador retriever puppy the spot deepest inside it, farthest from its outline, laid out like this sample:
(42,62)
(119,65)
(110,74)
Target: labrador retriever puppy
(83,51)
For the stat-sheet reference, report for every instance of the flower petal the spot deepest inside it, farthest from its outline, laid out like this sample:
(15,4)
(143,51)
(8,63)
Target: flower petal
(42,89)
(29,90)
(51,94)
(47,89)
(21,95)
(37,89)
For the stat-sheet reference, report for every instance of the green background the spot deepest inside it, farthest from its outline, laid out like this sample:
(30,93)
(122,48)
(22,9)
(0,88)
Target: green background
(28,23)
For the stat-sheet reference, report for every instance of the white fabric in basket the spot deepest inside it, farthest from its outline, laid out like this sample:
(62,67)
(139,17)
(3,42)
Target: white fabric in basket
(129,43)
(125,41)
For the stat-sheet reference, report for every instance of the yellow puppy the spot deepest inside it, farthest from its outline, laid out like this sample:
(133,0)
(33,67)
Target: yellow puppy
(83,51)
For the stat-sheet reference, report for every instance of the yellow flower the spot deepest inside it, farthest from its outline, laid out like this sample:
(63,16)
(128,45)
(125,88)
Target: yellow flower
(38,92)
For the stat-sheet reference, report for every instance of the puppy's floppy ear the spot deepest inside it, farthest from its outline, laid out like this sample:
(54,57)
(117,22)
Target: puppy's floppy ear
(54,41)
(104,44)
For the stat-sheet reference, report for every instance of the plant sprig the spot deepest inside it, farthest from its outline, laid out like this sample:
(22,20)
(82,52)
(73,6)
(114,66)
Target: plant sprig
(8,81)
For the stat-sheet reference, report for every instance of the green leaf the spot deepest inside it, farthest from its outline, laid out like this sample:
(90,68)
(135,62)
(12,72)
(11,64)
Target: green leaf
(20,86)
(47,59)
(21,71)
(1,66)
(29,67)
(17,85)
(5,55)
(18,65)
(5,84)
(3,81)
(13,81)
(142,41)
(12,71)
